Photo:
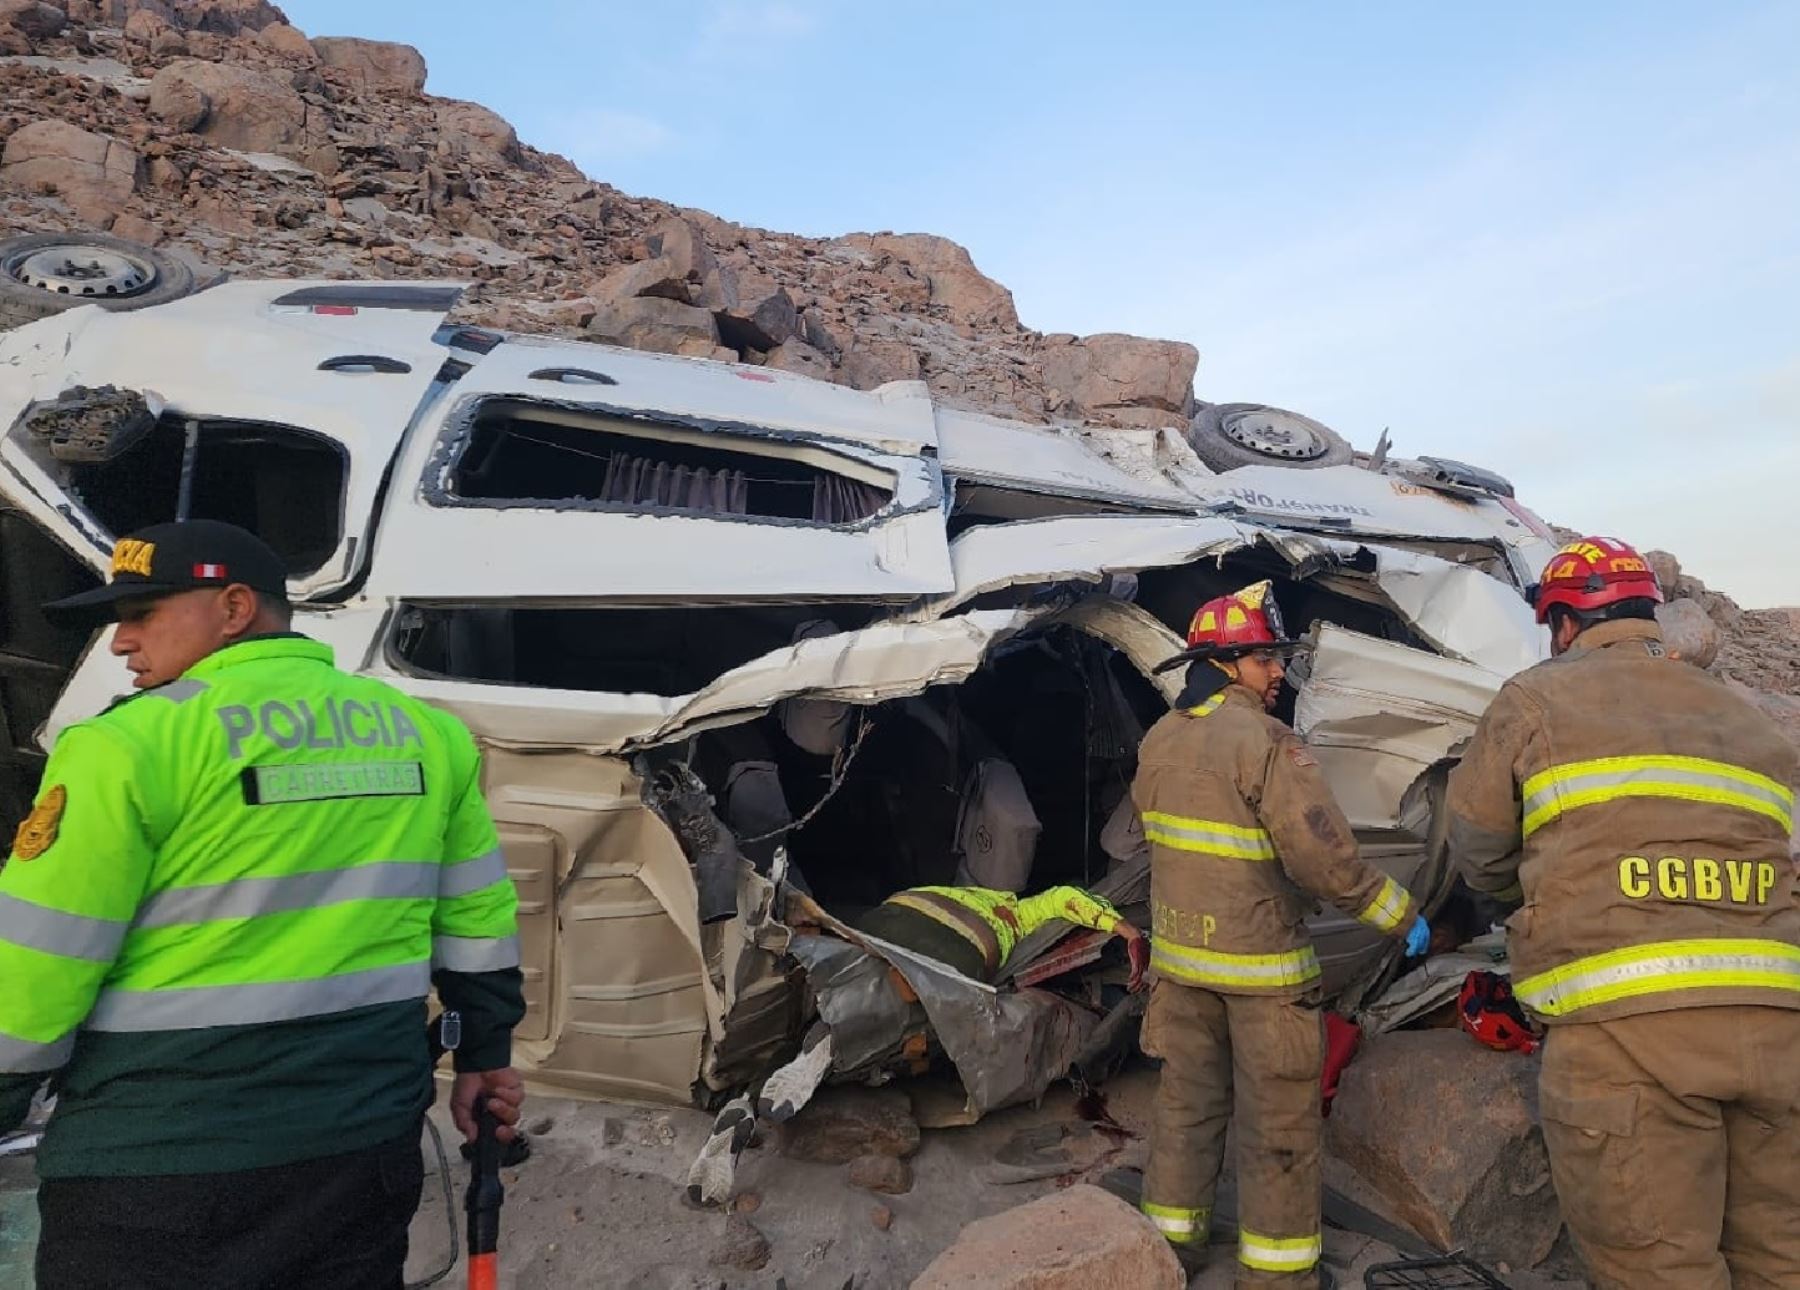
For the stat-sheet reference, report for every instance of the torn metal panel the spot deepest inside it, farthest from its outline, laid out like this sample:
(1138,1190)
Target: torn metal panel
(231,353)
(1012,454)
(1080,549)
(869,1018)
(1463,612)
(1434,983)
(893,418)
(1378,714)
(1007,1047)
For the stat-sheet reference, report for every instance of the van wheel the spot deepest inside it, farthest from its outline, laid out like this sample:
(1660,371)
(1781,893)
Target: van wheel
(1228,435)
(45,273)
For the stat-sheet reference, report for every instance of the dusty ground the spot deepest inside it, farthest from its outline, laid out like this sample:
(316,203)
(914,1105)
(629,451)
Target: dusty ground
(600,1204)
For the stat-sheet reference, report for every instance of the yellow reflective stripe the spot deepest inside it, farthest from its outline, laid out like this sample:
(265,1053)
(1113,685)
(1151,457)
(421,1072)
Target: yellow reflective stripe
(1278,1253)
(1255,971)
(1180,1225)
(1550,793)
(964,925)
(1661,968)
(1207,708)
(1208,837)
(1388,907)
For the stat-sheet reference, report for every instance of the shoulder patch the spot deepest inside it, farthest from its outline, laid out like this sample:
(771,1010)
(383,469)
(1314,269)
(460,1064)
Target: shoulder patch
(37,831)
(1300,757)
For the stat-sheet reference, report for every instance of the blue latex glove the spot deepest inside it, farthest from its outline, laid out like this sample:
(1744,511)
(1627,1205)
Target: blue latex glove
(1418,938)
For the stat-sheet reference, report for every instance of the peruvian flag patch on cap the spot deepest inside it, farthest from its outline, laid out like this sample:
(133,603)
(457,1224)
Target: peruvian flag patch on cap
(209,571)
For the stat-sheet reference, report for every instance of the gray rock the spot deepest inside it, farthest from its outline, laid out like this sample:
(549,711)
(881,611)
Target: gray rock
(37,21)
(1689,632)
(742,1246)
(1484,1187)
(762,317)
(652,323)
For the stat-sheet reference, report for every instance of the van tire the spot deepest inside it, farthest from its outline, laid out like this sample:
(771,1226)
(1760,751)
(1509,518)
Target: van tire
(126,275)
(1228,435)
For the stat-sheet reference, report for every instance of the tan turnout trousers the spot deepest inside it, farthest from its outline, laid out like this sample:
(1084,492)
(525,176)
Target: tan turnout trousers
(1258,1058)
(1675,1146)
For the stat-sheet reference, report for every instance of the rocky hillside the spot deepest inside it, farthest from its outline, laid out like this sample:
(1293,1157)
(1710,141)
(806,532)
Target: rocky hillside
(217,127)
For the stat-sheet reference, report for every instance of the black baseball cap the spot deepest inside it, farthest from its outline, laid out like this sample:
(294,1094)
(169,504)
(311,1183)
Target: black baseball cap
(165,559)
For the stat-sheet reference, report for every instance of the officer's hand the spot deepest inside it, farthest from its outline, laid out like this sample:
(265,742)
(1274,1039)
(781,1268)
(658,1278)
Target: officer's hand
(504,1091)
(1137,949)
(1418,938)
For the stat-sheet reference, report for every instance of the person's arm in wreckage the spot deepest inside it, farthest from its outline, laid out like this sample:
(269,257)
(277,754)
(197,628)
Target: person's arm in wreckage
(475,948)
(1084,909)
(79,866)
(1486,824)
(1314,843)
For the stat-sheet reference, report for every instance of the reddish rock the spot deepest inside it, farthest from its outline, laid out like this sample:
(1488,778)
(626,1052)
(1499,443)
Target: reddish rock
(887,1174)
(882,1217)
(845,1124)
(1078,1239)
(243,108)
(54,156)
(965,293)
(742,1247)
(284,39)
(652,323)
(378,64)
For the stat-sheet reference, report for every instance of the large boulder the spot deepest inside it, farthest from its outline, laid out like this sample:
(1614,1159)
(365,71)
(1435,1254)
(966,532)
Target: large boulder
(1688,632)
(283,39)
(1110,374)
(54,156)
(227,17)
(966,294)
(379,64)
(33,19)
(655,324)
(756,312)
(239,107)
(1485,1185)
(469,128)
(1079,1239)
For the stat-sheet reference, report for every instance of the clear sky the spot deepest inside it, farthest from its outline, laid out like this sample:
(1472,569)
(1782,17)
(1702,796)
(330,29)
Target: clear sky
(1561,241)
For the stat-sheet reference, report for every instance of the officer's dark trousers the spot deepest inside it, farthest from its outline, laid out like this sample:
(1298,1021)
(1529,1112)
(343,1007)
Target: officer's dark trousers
(336,1223)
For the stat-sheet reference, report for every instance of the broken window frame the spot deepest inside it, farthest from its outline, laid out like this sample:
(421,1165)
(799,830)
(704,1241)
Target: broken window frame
(839,459)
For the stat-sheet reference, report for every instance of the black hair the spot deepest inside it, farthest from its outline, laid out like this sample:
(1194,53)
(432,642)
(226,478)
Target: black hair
(275,606)
(1639,607)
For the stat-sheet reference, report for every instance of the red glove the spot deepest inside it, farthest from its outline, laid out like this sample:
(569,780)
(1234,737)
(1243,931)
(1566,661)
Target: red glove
(1137,948)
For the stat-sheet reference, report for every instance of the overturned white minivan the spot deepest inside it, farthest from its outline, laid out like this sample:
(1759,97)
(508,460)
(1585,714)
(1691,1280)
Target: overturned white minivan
(865,640)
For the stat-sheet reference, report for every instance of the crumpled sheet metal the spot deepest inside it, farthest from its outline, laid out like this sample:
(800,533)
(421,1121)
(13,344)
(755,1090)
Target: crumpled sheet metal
(1435,982)
(1007,1047)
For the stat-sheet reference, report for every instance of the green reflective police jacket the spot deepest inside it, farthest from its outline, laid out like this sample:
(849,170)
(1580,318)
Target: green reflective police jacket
(220,922)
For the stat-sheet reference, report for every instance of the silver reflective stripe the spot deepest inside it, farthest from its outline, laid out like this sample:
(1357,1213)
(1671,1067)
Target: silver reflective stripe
(251,897)
(196,1007)
(180,691)
(1739,787)
(471,875)
(1291,967)
(73,936)
(23,1057)
(474,953)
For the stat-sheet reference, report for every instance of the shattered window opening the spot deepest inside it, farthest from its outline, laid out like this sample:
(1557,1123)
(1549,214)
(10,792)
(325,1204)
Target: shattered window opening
(284,484)
(650,650)
(517,453)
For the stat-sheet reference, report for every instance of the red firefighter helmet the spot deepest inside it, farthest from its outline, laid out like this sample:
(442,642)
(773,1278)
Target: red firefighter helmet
(1591,573)
(1234,625)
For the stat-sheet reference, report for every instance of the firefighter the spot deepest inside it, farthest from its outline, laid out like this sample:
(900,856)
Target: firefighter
(974,929)
(1641,812)
(1243,833)
(218,926)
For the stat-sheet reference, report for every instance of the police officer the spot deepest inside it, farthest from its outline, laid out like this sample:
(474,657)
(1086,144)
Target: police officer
(1641,811)
(974,929)
(218,927)
(1242,832)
